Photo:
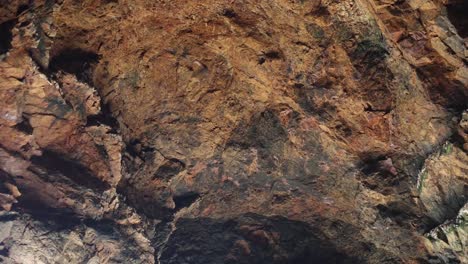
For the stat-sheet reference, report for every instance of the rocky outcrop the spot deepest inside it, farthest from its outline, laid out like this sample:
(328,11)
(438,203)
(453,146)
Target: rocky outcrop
(233,131)
(449,239)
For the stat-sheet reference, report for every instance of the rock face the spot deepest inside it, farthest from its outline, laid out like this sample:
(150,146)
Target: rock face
(288,131)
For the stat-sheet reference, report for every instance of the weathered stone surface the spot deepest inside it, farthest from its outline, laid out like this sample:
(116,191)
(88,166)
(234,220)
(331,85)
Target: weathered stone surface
(233,131)
(449,240)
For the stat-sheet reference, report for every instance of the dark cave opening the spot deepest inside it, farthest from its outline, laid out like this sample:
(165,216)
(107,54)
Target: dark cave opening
(24,126)
(6,36)
(75,61)
(186,200)
(21,9)
(457,13)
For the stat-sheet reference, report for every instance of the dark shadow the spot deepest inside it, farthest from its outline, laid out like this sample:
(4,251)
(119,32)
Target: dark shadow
(56,163)
(376,176)
(6,35)
(249,239)
(169,169)
(25,127)
(75,61)
(185,200)
(105,117)
(457,12)
(21,9)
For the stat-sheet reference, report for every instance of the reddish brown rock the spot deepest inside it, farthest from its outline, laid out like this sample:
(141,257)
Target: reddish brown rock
(233,131)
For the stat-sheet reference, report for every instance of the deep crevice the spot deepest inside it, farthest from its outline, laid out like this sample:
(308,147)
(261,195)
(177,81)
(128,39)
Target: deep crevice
(4,178)
(105,117)
(79,62)
(185,200)
(62,218)
(273,54)
(6,35)
(25,126)
(269,55)
(79,174)
(65,218)
(8,217)
(457,14)
(21,9)
(3,250)
(229,13)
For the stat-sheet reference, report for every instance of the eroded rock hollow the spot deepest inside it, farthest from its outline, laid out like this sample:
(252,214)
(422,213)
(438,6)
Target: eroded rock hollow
(233,131)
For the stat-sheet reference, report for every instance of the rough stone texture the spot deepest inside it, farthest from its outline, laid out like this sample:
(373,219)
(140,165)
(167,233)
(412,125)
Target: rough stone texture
(288,131)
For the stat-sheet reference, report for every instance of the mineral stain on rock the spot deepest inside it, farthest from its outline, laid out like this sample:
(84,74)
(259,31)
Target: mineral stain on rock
(233,131)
